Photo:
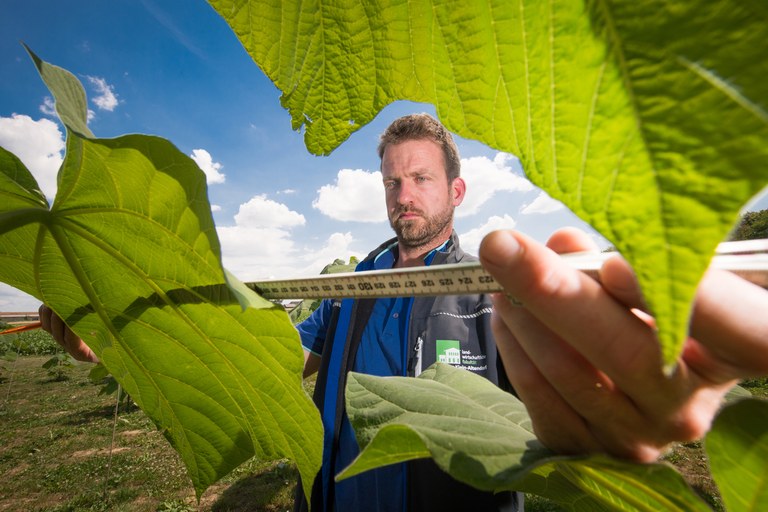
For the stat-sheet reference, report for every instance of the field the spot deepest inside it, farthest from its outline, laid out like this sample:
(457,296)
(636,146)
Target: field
(57,453)
(64,448)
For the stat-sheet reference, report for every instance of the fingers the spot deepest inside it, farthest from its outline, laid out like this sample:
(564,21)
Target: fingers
(574,407)
(616,275)
(619,280)
(585,359)
(569,239)
(574,307)
(727,308)
(44,312)
(730,319)
(558,341)
(555,423)
(64,336)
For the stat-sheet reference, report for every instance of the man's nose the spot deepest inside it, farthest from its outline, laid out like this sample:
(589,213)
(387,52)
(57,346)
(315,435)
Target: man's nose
(405,193)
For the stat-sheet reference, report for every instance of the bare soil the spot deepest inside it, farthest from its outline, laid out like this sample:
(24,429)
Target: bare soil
(57,454)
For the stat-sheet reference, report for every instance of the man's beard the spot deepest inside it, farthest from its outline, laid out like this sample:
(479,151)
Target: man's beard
(421,231)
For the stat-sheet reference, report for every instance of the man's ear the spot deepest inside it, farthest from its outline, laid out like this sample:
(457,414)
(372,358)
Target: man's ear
(458,189)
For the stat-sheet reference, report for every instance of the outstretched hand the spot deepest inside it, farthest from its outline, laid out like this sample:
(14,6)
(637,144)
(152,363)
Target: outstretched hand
(584,358)
(64,336)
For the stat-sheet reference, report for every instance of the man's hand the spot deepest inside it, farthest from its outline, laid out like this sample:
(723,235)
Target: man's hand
(583,356)
(65,337)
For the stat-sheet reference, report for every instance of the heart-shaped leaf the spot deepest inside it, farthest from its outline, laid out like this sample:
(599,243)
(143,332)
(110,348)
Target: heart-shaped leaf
(128,256)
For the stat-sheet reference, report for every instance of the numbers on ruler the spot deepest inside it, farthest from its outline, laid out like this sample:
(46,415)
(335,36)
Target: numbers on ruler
(380,285)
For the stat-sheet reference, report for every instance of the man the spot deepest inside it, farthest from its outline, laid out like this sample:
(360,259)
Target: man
(580,353)
(420,168)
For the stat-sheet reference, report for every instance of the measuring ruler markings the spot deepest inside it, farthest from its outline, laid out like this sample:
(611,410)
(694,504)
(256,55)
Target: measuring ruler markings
(749,259)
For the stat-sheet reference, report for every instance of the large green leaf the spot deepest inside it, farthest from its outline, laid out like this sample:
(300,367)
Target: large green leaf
(453,412)
(128,257)
(737,447)
(481,435)
(648,119)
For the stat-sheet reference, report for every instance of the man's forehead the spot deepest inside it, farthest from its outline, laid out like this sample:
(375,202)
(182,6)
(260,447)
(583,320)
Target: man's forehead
(413,157)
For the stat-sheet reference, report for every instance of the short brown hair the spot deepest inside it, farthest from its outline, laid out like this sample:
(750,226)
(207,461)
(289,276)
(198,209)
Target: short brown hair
(420,127)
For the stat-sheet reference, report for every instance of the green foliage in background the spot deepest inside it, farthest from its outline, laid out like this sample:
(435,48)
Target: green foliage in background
(647,119)
(217,368)
(58,364)
(100,376)
(29,343)
(751,226)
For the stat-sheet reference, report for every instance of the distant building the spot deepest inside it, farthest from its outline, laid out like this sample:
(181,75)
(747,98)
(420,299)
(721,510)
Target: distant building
(292,307)
(19,317)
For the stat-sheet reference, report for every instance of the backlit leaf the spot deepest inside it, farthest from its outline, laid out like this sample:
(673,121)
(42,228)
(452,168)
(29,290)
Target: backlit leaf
(647,119)
(128,256)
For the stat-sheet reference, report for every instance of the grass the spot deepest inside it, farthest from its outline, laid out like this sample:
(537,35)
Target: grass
(56,453)
(691,461)
(55,445)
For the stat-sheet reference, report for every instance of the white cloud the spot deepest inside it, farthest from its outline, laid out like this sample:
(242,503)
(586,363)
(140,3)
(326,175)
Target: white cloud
(253,253)
(485,177)
(215,208)
(264,253)
(262,243)
(287,191)
(106,99)
(39,145)
(357,195)
(470,241)
(204,161)
(260,212)
(338,245)
(542,204)
(48,107)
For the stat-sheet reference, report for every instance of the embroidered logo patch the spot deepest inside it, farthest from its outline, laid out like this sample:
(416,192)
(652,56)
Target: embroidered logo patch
(448,351)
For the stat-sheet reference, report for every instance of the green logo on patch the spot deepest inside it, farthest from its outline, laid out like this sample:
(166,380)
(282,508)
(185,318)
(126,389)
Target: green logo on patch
(448,351)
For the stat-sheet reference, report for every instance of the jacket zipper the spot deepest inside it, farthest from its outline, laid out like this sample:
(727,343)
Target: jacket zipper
(414,362)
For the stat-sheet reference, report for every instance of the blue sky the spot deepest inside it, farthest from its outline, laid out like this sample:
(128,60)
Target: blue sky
(173,68)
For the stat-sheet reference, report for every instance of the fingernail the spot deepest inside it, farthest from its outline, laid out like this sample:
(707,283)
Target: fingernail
(502,249)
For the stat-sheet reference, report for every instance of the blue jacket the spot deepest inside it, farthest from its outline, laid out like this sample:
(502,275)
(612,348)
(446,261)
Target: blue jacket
(452,328)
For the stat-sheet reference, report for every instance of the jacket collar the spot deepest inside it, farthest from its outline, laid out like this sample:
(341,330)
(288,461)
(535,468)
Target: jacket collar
(451,252)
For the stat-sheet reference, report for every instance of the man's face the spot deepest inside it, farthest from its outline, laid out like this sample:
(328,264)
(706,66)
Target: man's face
(420,201)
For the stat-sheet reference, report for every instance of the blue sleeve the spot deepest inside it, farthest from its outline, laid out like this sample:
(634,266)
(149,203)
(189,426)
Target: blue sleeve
(313,330)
